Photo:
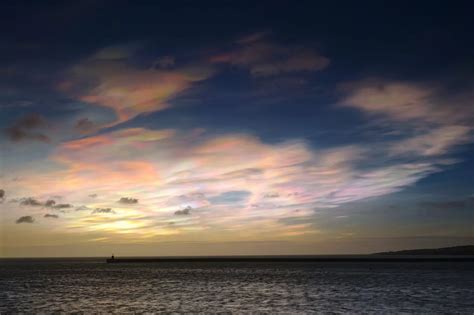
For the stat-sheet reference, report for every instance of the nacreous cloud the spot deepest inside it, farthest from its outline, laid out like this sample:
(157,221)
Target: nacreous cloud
(264,58)
(234,181)
(109,79)
(433,124)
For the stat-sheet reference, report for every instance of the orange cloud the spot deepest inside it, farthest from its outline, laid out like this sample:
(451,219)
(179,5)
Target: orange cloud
(109,79)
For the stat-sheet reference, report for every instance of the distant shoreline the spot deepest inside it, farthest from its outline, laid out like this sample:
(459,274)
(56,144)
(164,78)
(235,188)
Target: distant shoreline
(360,258)
(446,254)
(453,250)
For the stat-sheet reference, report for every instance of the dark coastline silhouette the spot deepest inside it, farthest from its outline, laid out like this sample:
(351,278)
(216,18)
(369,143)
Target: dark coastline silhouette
(454,250)
(447,254)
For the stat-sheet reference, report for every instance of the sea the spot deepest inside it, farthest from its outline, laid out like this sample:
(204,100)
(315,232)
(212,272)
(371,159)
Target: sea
(92,286)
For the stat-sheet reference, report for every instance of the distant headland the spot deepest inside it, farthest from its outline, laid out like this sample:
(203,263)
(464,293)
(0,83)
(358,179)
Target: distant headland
(446,254)
(454,250)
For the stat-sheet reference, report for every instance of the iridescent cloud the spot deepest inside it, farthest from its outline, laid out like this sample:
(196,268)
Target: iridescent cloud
(264,58)
(226,182)
(109,78)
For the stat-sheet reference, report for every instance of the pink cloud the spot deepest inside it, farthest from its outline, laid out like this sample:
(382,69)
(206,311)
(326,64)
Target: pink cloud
(264,58)
(435,125)
(115,83)
(168,170)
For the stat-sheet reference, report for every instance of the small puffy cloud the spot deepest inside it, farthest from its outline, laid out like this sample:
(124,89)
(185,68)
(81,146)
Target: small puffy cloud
(30,201)
(25,219)
(185,211)
(128,201)
(27,128)
(93,196)
(51,216)
(49,203)
(103,210)
(62,206)
(2,195)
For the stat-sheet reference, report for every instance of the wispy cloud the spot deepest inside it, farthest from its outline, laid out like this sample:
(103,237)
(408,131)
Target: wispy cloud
(430,125)
(236,180)
(107,78)
(264,58)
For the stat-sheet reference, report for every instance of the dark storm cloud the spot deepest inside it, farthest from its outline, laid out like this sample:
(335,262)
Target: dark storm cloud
(26,128)
(25,219)
(103,210)
(51,216)
(128,201)
(185,211)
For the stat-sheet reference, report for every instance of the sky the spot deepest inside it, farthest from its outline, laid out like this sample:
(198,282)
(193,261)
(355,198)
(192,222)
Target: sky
(235,128)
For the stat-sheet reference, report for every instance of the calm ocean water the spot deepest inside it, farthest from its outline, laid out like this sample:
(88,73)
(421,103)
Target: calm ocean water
(91,286)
